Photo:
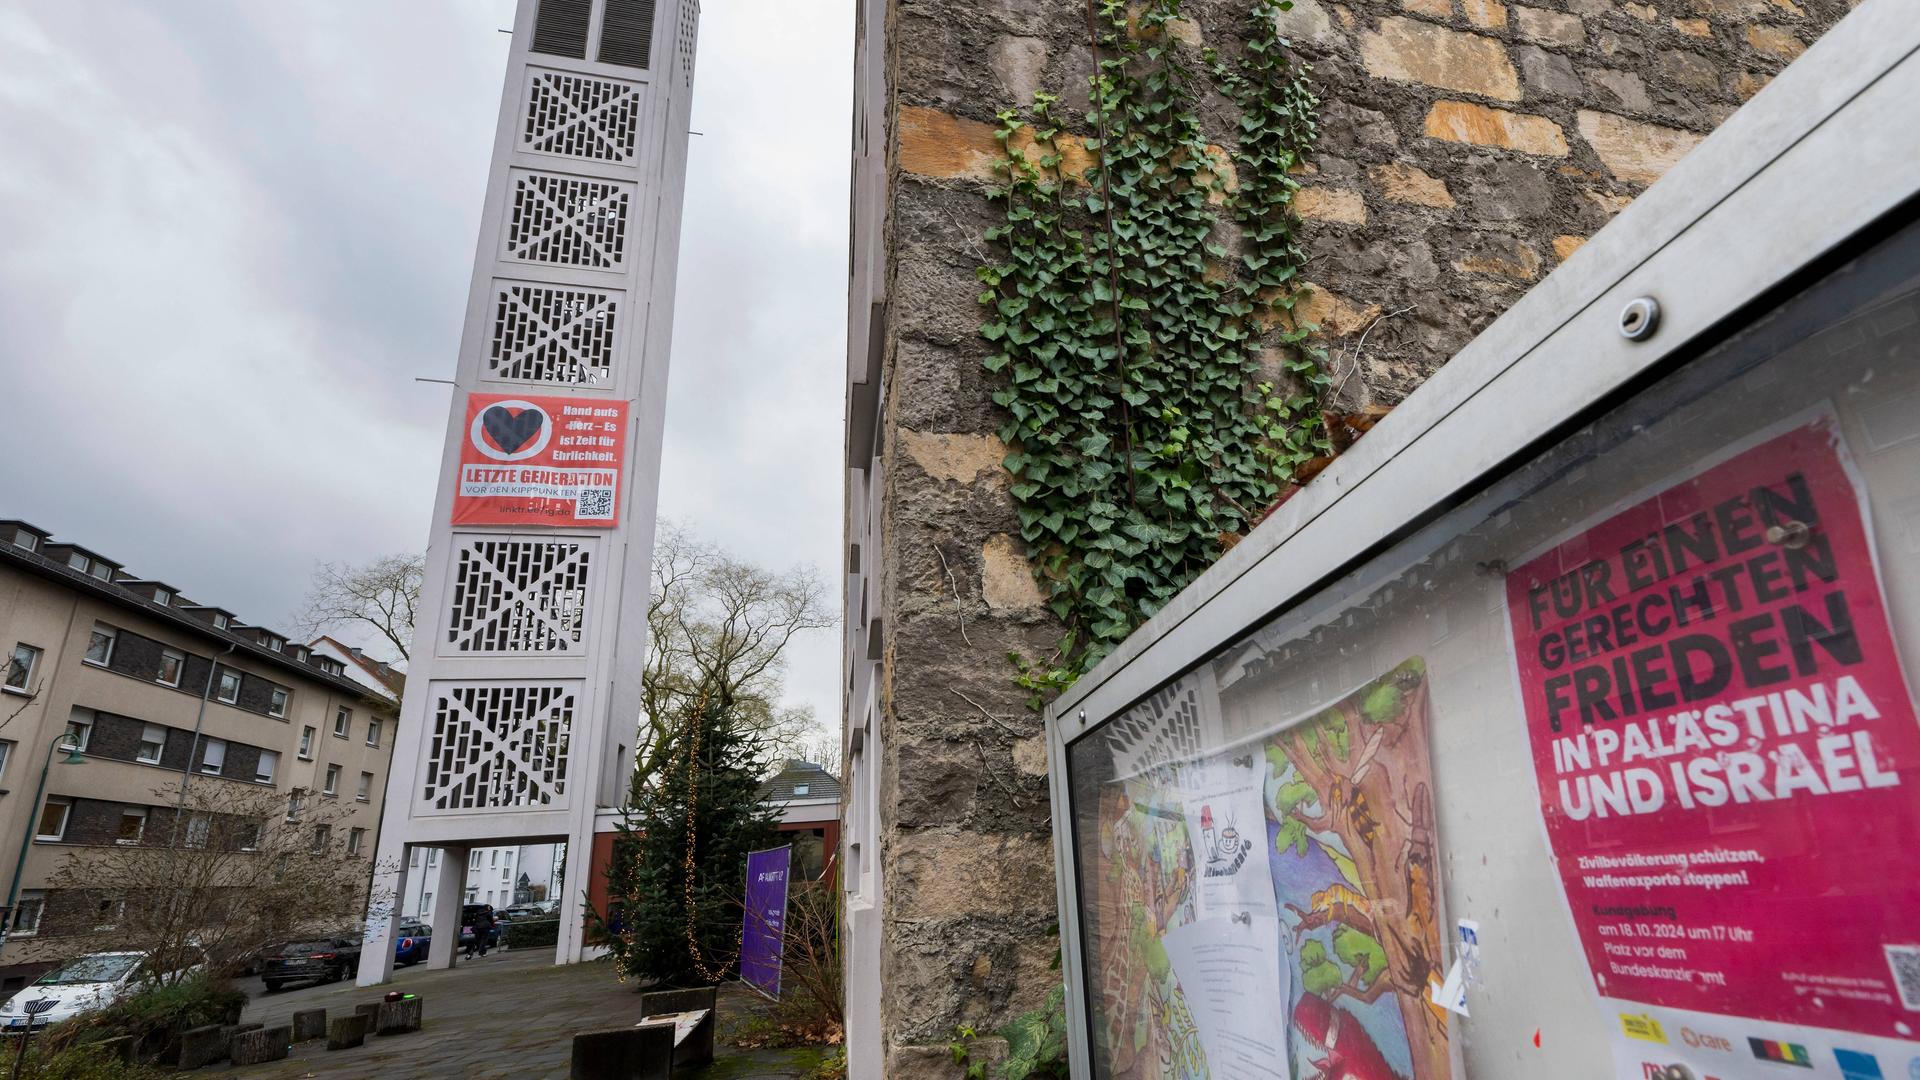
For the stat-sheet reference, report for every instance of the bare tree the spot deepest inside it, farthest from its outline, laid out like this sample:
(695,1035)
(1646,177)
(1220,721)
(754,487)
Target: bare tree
(718,629)
(237,869)
(380,597)
(823,749)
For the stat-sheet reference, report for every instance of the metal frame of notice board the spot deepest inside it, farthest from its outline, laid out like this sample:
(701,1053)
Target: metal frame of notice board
(1821,164)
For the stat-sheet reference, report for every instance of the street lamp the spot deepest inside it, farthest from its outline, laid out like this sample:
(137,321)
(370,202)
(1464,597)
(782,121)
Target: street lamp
(33,824)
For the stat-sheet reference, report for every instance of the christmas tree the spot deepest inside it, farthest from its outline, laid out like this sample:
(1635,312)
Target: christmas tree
(679,864)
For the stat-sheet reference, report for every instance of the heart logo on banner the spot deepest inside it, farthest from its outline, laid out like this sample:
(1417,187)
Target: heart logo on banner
(510,429)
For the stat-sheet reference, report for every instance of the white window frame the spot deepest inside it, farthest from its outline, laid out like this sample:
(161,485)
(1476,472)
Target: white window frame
(6,757)
(163,597)
(342,722)
(24,539)
(277,700)
(322,838)
(307,735)
(100,570)
(426,904)
(219,621)
(79,732)
(40,817)
(268,767)
(356,839)
(199,830)
(331,786)
(78,561)
(473,860)
(179,667)
(212,752)
(276,644)
(220,686)
(365,791)
(129,812)
(25,685)
(433,856)
(151,734)
(33,900)
(101,630)
(373,732)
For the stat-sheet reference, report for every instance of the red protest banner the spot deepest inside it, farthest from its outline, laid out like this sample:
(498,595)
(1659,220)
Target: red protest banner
(541,461)
(1725,744)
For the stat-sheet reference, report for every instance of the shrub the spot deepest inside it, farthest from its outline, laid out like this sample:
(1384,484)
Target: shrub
(155,1015)
(82,1063)
(531,933)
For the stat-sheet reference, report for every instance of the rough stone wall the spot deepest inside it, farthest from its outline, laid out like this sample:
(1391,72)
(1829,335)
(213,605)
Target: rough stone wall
(1467,148)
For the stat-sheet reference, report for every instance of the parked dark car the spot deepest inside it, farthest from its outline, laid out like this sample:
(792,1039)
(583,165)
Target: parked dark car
(412,943)
(327,959)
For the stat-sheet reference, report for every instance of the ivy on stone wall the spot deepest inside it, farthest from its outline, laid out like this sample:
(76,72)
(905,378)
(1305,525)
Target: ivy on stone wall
(1158,394)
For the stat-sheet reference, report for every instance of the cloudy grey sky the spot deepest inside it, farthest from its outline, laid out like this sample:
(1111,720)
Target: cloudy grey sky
(232,233)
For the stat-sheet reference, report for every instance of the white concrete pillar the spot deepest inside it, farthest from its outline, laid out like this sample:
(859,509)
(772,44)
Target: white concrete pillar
(383,914)
(449,892)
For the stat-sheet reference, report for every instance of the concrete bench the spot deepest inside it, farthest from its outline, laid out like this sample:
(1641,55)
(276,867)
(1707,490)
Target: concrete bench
(267,1044)
(693,1012)
(203,1046)
(346,1032)
(309,1024)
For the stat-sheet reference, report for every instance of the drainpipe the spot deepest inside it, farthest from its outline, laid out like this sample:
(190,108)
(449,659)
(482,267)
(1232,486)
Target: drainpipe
(193,748)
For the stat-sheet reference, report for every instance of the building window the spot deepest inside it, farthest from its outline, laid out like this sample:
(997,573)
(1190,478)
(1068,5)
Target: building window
(269,763)
(306,742)
(802,789)
(301,654)
(322,836)
(25,539)
(133,825)
(26,914)
(6,755)
(506,873)
(219,621)
(473,894)
(473,861)
(493,857)
(229,691)
(163,597)
(79,728)
(171,663)
(366,787)
(77,561)
(153,743)
(433,857)
(213,755)
(373,732)
(100,645)
(426,903)
(355,838)
(333,781)
(199,827)
(101,570)
(20,668)
(277,703)
(293,807)
(53,820)
(342,722)
(276,644)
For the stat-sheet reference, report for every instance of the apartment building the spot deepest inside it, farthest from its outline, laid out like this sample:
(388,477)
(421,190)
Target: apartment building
(128,670)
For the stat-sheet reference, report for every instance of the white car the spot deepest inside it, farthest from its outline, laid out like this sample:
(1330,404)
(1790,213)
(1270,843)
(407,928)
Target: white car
(80,985)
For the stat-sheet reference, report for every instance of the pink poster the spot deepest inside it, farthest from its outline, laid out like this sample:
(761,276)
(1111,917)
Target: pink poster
(1726,747)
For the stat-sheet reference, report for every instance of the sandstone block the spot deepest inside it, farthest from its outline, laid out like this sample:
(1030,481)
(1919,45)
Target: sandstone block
(1643,12)
(1500,256)
(943,146)
(955,457)
(1407,184)
(1549,71)
(1330,204)
(1335,315)
(1437,9)
(1550,27)
(1634,151)
(1006,577)
(1775,41)
(1486,14)
(1308,21)
(1690,70)
(1030,755)
(267,1044)
(1699,28)
(1019,63)
(952,874)
(1619,88)
(1565,246)
(1465,122)
(1406,50)
(1748,83)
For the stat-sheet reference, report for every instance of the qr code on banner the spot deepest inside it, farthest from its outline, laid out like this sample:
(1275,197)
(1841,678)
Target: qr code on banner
(1904,960)
(594,502)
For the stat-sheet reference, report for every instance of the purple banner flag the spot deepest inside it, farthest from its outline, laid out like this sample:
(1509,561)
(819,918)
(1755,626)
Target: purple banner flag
(763,937)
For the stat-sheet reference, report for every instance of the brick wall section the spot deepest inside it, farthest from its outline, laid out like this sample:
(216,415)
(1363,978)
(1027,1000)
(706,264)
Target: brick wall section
(1468,147)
